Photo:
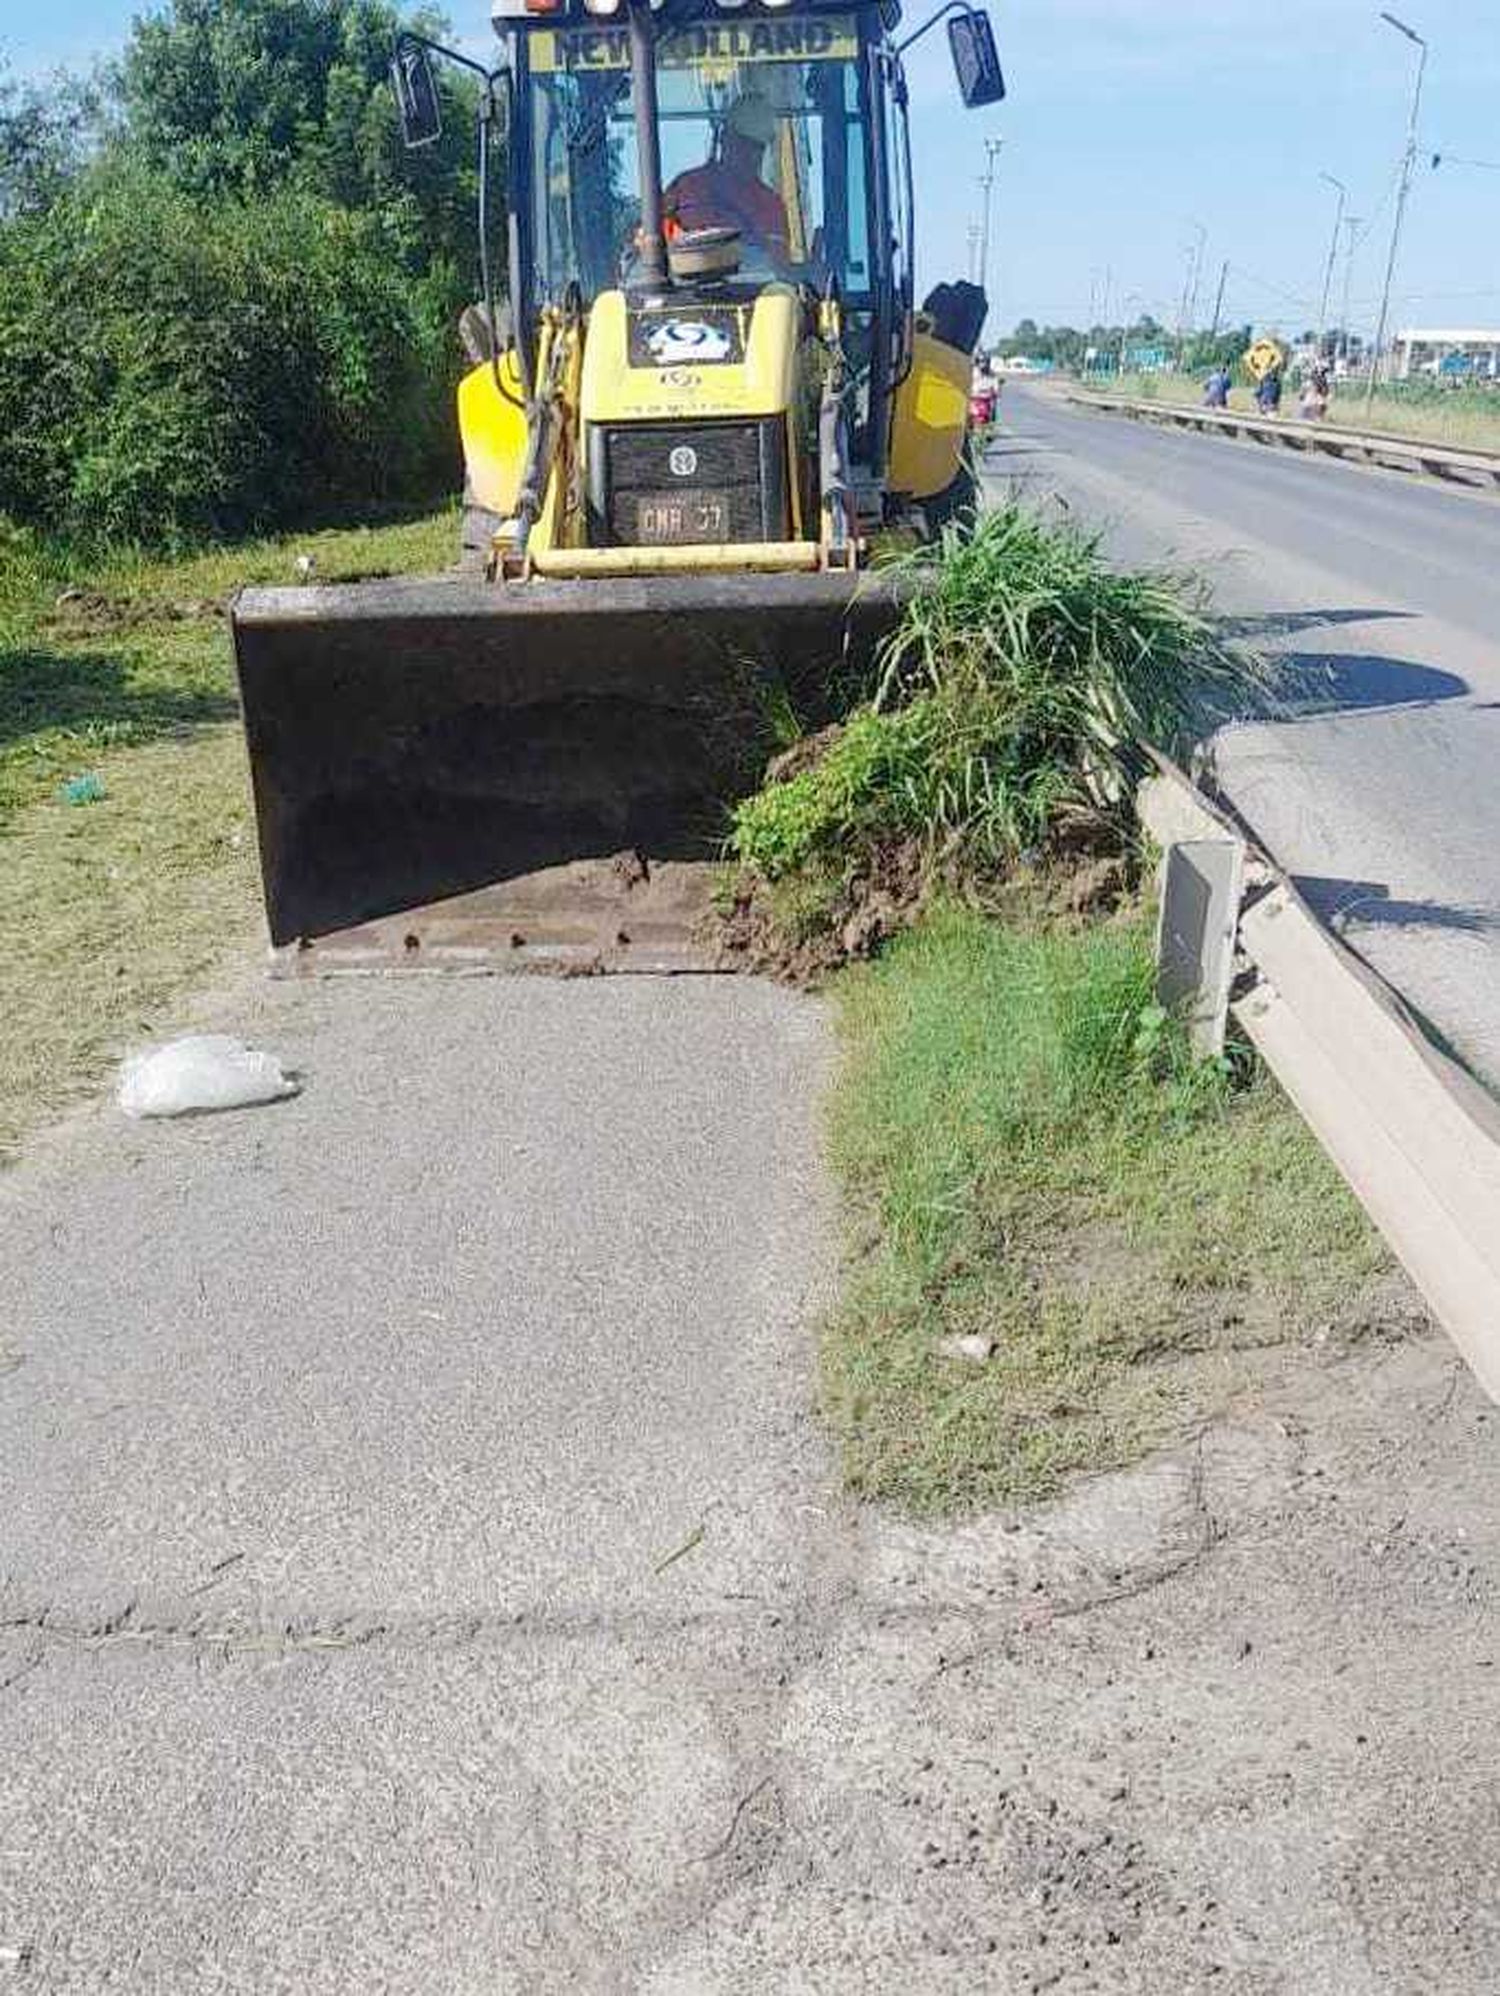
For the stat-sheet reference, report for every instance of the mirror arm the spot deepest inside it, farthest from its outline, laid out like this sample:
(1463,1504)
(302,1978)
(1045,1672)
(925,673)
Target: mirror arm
(486,272)
(409,36)
(491,78)
(949,7)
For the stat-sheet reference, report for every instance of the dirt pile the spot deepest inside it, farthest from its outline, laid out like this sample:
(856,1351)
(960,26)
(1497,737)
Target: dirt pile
(801,928)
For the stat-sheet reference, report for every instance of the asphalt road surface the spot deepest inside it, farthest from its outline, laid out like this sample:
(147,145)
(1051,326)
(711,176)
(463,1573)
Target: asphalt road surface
(1380,788)
(421,1569)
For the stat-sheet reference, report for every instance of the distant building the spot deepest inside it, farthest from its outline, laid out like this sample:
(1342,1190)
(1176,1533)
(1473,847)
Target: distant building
(1461,353)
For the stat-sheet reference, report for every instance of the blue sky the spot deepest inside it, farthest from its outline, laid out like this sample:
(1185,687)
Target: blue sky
(1131,122)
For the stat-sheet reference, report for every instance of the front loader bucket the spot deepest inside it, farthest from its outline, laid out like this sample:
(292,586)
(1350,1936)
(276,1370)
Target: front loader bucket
(463,773)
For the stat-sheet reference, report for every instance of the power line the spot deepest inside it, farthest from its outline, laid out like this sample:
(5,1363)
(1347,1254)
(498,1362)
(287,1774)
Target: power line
(1297,298)
(1456,159)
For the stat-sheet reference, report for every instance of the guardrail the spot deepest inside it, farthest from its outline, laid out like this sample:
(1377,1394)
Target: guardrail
(1464,467)
(1412,1132)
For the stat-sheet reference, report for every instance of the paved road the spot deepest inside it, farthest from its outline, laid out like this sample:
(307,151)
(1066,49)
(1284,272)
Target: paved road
(1379,790)
(345,1449)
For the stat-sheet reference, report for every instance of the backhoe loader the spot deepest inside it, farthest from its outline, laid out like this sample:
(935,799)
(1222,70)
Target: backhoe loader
(701,386)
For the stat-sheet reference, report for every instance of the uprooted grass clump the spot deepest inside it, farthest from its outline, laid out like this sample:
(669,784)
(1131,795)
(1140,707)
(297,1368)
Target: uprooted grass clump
(1011,699)
(1036,1165)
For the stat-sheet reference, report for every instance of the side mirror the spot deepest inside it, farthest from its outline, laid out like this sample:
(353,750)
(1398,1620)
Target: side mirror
(975,59)
(417,101)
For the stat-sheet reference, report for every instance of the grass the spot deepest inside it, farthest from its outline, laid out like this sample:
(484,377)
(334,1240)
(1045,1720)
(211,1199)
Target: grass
(1462,419)
(1030,1157)
(1075,1239)
(116,684)
(1024,672)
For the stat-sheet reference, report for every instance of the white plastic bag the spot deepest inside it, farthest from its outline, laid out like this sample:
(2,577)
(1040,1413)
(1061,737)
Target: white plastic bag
(204,1071)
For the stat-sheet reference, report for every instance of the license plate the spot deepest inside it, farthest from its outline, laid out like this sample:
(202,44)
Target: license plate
(663,519)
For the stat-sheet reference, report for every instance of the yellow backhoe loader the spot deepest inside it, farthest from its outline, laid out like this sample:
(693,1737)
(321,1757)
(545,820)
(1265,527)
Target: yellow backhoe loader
(702,385)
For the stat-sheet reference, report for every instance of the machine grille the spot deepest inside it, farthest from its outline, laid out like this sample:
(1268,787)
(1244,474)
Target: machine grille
(688,481)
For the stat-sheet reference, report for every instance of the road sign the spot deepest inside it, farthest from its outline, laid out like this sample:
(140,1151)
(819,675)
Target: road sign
(1264,356)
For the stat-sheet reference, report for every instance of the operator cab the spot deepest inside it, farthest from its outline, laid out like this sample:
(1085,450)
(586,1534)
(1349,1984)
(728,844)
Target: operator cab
(825,183)
(801,77)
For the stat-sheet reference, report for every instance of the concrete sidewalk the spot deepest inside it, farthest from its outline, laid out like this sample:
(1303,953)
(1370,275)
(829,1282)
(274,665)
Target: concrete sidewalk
(342,1471)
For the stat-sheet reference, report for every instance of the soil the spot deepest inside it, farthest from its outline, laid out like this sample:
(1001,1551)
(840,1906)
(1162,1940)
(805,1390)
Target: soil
(804,754)
(800,933)
(93,610)
(762,930)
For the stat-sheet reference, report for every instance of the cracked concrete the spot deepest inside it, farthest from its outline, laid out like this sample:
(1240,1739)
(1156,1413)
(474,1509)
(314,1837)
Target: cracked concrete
(339,1647)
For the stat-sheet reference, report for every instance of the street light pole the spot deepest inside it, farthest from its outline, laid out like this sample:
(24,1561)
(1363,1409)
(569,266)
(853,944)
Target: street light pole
(1351,230)
(992,149)
(1409,160)
(1333,250)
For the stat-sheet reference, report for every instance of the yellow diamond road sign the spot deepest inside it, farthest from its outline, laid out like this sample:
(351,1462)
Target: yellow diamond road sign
(1263,356)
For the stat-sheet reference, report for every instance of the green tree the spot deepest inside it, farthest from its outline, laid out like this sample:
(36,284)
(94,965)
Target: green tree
(45,138)
(228,297)
(239,97)
(1209,350)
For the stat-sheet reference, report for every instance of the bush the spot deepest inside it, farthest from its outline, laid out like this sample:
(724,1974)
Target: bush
(171,368)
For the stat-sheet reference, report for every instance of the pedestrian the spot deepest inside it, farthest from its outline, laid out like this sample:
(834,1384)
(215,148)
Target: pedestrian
(1268,394)
(984,395)
(1216,389)
(1313,406)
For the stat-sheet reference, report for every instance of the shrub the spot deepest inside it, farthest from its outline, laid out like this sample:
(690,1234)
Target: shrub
(171,368)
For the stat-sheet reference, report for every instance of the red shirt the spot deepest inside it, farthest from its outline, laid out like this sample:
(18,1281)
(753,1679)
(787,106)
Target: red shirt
(710,197)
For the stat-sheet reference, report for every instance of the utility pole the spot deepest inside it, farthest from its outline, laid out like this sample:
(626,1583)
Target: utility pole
(1189,306)
(973,252)
(992,148)
(1333,250)
(1202,245)
(1351,229)
(1408,161)
(1219,300)
(1130,298)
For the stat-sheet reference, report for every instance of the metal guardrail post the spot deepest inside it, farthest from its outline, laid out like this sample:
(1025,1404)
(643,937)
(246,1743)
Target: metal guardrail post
(1413,1134)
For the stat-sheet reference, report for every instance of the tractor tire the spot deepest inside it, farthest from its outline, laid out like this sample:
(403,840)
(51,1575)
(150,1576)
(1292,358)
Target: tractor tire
(956,504)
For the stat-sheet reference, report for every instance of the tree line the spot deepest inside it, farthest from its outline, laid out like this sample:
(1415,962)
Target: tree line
(1070,346)
(227,295)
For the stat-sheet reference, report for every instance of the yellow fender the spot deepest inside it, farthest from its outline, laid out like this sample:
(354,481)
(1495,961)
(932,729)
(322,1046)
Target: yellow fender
(931,421)
(493,430)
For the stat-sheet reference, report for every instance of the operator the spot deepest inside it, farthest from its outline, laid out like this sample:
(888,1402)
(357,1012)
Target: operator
(727,192)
